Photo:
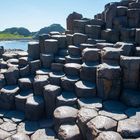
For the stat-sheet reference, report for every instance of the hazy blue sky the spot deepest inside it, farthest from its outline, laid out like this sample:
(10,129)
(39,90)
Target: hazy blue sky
(35,14)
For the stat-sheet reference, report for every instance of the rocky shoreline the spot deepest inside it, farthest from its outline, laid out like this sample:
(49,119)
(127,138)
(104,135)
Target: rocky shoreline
(81,85)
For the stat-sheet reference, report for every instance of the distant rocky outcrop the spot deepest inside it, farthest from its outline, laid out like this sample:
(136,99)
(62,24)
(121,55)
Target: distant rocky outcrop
(17,31)
(46,30)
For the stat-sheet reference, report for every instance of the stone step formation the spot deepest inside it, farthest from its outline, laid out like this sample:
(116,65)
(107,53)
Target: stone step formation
(80,85)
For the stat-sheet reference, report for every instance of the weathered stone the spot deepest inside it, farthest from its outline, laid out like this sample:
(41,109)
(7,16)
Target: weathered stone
(42,39)
(33,50)
(2,81)
(93,103)
(116,115)
(72,69)
(79,38)
(7,96)
(91,55)
(11,75)
(43,134)
(20,99)
(25,71)
(28,127)
(129,128)
(1,51)
(79,25)
(57,67)
(99,124)
(88,71)
(108,81)
(39,82)
(55,78)
(73,59)
(23,61)
(71,18)
(130,67)
(110,35)
(66,99)
(25,83)
(85,115)
(137,36)
(93,31)
(62,40)
(4,134)
(121,10)
(34,66)
(8,126)
(64,114)
(110,12)
(128,35)
(51,46)
(46,60)
(69,132)
(74,50)
(69,39)
(85,89)
(103,45)
(34,108)
(110,135)
(50,94)
(20,136)
(68,82)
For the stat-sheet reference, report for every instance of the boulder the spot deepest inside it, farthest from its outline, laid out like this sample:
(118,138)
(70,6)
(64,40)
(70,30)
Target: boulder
(109,135)
(64,114)
(100,124)
(69,132)
(129,128)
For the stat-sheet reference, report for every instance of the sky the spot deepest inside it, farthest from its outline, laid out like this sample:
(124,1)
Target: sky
(36,14)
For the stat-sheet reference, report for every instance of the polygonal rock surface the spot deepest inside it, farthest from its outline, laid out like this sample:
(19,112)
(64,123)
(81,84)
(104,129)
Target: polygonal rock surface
(20,136)
(4,134)
(85,89)
(69,132)
(95,103)
(110,135)
(28,127)
(129,128)
(99,124)
(8,126)
(43,134)
(64,114)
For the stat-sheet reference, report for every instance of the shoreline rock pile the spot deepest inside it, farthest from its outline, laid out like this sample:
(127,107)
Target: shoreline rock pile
(81,85)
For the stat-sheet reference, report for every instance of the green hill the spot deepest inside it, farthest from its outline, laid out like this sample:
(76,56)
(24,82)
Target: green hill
(21,33)
(17,31)
(46,30)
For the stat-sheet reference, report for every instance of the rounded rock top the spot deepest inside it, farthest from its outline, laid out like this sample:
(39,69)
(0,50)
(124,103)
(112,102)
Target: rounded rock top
(33,43)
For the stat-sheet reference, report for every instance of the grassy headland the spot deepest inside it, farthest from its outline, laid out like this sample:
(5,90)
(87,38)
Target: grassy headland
(8,36)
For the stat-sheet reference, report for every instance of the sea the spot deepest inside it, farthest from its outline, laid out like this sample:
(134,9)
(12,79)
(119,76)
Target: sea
(15,44)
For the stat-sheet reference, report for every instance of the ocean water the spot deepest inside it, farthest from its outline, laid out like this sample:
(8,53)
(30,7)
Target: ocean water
(15,44)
